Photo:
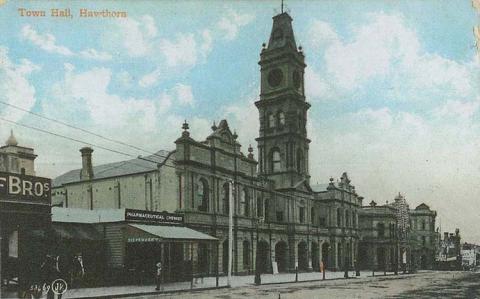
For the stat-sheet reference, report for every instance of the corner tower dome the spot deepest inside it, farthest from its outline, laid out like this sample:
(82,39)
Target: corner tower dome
(11,140)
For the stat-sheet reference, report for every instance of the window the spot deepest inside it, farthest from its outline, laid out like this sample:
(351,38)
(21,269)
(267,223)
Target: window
(271,121)
(347,218)
(301,211)
(299,160)
(354,224)
(322,221)
(339,218)
(280,216)
(381,229)
(424,240)
(259,207)
(244,203)
(312,215)
(246,254)
(276,160)
(226,198)
(281,119)
(202,195)
(266,209)
(423,225)
(300,120)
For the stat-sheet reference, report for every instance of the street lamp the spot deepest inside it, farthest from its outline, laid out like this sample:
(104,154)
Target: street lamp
(258,279)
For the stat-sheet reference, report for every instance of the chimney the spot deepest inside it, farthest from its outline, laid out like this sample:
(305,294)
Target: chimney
(87,169)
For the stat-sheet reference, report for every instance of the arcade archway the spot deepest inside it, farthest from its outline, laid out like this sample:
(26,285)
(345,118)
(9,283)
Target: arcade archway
(281,256)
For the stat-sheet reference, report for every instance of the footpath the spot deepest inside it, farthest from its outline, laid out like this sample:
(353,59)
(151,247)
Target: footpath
(208,283)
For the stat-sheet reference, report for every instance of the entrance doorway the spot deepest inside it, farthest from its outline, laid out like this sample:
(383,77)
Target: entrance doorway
(302,256)
(325,255)
(263,257)
(281,256)
(315,257)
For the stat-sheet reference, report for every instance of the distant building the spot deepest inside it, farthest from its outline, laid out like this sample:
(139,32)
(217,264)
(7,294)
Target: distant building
(449,251)
(25,217)
(423,236)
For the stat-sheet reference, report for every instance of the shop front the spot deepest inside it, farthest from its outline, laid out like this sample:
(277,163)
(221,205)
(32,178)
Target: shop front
(25,225)
(134,241)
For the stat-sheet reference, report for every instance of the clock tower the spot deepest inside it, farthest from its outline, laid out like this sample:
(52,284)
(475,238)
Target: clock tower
(283,143)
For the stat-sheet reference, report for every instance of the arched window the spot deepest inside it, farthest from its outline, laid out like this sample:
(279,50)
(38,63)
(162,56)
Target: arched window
(202,195)
(276,160)
(299,161)
(281,118)
(226,198)
(259,207)
(271,120)
(266,210)
(339,218)
(300,120)
(423,225)
(244,202)
(312,215)
(347,218)
(246,255)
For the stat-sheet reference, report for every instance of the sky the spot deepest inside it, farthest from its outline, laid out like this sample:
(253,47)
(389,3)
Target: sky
(394,87)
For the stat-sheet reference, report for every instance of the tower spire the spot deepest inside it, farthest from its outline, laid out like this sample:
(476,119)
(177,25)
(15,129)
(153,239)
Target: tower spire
(282,7)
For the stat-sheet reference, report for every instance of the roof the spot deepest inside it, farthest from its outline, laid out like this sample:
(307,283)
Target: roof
(422,206)
(73,215)
(319,187)
(173,232)
(84,232)
(115,169)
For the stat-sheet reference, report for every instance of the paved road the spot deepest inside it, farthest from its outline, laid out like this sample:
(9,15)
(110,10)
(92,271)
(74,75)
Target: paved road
(422,285)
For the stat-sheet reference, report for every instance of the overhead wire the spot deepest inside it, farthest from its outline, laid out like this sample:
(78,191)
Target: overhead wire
(80,129)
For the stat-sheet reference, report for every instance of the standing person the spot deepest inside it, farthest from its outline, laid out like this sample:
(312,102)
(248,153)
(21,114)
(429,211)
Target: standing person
(158,276)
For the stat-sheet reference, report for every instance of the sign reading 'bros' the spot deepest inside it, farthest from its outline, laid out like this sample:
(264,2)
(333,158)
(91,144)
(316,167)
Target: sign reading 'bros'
(24,188)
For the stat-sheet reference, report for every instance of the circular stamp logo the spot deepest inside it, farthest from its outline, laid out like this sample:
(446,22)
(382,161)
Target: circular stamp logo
(59,286)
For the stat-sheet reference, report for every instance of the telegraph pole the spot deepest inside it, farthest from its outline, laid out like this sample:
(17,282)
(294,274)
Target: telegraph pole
(230,233)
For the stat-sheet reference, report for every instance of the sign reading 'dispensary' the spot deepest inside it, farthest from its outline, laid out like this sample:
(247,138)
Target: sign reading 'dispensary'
(151,216)
(24,188)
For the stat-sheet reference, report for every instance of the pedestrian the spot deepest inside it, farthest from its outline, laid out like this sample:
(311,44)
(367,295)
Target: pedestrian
(158,276)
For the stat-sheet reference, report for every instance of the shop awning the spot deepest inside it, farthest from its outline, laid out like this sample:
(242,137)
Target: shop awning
(167,233)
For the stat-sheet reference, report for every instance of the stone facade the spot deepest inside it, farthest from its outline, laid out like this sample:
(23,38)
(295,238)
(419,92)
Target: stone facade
(423,237)
(280,221)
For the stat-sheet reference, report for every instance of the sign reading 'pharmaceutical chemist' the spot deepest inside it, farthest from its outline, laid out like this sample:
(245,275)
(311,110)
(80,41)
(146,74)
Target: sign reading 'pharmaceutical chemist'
(151,216)
(24,188)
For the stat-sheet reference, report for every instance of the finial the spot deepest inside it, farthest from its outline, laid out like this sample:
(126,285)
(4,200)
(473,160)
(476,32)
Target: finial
(11,140)
(235,136)
(250,151)
(264,46)
(185,128)
(282,6)
(331,179)
(214,126)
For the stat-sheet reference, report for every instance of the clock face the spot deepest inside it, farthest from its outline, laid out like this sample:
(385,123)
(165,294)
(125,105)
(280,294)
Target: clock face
(297,80)
(275,77)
